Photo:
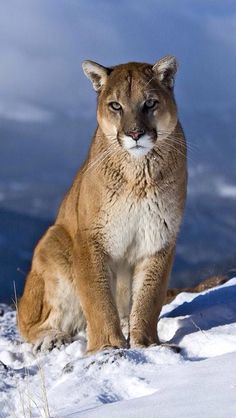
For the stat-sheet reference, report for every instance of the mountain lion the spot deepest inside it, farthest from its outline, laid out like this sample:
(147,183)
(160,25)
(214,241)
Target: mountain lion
(104,264)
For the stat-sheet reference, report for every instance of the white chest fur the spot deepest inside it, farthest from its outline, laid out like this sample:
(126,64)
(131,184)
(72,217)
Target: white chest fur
(139,229)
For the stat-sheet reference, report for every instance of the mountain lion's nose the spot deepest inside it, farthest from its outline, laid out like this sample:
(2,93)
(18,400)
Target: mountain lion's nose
(135,134)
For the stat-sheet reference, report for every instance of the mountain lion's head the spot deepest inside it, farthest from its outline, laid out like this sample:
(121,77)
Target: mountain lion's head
(136,105)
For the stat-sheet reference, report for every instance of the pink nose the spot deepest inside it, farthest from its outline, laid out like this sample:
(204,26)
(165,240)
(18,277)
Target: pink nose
(135,134)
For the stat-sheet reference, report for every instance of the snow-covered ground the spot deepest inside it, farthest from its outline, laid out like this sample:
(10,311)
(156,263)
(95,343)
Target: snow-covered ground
(197,382)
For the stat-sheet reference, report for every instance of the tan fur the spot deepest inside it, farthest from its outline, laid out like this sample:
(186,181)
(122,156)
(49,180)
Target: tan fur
(106,261)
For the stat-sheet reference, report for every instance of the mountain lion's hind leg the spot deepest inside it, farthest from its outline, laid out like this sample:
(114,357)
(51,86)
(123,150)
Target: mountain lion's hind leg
(49,312)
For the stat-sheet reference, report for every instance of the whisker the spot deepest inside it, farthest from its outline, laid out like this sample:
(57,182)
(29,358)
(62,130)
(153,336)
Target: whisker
(171,147)
(178,136)
(175,141)
(188,147)
(107,153)
(95,161)
(192,148)
(106,156)
(171,142)
(102,156)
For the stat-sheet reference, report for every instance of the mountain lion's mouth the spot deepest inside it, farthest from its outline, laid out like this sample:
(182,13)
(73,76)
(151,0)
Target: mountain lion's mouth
(137,146)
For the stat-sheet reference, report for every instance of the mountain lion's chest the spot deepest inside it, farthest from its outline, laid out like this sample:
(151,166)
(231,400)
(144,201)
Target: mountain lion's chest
(136,229)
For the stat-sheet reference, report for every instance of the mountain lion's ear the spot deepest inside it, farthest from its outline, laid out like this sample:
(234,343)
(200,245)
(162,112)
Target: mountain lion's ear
(166,68)
(96,73)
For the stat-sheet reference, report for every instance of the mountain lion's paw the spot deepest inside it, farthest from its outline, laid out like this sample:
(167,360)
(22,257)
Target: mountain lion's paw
(52,340)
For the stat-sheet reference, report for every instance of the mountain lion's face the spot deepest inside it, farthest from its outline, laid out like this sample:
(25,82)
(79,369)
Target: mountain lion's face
(136,106)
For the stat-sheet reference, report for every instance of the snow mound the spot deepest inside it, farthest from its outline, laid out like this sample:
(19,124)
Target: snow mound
(197,382)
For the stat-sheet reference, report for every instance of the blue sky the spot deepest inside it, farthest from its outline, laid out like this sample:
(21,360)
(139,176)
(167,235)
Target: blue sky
(43,43)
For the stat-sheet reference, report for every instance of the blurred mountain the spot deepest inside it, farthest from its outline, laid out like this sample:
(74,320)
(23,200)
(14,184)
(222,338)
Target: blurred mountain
(39,161)
(18,236)
(206,245)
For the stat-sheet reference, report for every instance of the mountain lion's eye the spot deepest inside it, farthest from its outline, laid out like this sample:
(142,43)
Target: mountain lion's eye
(150,103)
(115,105)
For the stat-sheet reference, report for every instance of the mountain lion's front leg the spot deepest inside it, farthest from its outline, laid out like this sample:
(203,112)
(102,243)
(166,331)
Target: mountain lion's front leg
(149,290)
(93,278)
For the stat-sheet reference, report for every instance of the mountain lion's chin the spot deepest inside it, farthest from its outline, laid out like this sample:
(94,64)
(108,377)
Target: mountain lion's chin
(138,151)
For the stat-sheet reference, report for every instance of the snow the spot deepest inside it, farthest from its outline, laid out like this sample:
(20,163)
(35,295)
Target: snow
(197,382)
